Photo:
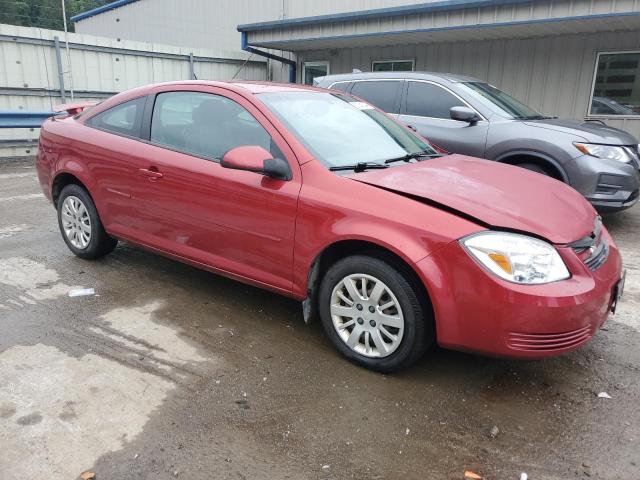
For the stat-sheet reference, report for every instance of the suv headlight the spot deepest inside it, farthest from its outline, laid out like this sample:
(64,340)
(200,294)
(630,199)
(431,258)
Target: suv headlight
(604,151)
(517,258)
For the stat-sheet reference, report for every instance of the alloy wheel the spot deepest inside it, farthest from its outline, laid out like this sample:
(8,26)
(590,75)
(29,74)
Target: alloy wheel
(367,315)
(76,222)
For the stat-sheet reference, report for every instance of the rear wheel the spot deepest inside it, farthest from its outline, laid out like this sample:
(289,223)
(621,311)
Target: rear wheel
(80,224)
(373,313)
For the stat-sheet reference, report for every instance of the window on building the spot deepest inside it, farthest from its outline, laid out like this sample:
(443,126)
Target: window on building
(205,125)
(384,94)
(123,119)
(430,100)
(616,88)
(393,66)
(311,70)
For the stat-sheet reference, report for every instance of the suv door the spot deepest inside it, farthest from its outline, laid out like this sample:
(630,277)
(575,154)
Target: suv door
(426,106)
(236,221)
(384,94)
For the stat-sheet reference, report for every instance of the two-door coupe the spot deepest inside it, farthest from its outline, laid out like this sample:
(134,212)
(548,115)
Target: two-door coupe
(319,196)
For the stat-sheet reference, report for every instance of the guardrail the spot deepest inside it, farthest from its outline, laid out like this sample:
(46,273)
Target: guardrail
(12,119)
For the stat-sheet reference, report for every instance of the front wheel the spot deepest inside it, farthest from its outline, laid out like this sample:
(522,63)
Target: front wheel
(532,167)
(375,313)
(80,224)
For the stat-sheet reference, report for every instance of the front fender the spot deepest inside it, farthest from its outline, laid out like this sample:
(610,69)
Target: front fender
(504,157)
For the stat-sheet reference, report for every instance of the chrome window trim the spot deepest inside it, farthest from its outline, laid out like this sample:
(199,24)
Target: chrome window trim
(341,81)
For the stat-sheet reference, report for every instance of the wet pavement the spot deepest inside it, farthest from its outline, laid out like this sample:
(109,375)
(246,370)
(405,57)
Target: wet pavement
(168,371)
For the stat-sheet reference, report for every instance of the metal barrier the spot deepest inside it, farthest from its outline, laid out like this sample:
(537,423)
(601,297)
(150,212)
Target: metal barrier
(21,119)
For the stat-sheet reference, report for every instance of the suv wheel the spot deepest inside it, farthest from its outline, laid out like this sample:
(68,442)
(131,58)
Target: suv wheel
(535,168)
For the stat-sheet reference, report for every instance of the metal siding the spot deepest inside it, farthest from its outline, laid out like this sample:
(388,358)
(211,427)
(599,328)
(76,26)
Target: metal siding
(488,15)
(551,74)
(29,75)
(188,23)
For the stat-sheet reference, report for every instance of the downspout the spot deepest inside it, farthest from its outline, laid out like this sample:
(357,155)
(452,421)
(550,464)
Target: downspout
(291,63)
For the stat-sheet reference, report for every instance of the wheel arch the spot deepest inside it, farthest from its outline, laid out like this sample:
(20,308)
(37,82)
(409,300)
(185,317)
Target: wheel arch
(517,157)
(61,180)
(343,248)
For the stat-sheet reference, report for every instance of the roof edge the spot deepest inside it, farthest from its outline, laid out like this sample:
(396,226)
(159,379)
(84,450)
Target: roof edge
(105,8)
(441,5)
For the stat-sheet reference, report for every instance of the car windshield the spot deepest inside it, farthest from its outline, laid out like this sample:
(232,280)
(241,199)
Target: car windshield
(506,104)
(340,130)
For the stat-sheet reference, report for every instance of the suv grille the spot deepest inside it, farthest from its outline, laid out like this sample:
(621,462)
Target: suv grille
(592,250)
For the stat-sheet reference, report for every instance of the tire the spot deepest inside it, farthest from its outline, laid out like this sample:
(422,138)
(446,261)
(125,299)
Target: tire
(534,168)
(401,347)
(76,208)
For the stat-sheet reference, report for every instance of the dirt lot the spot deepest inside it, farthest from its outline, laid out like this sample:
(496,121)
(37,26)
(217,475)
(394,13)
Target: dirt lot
(170,372)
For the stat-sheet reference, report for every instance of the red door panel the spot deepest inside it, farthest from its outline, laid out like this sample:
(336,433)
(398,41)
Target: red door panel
(236,221)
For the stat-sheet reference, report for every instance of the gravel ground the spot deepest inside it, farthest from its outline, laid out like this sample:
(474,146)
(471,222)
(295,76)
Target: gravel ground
(168,371)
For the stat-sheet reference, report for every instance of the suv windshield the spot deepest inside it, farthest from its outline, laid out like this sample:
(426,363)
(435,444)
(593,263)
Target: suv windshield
(340,130)
(506,104)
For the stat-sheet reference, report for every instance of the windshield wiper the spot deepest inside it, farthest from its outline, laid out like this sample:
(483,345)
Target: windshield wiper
(358,167)
(411,156)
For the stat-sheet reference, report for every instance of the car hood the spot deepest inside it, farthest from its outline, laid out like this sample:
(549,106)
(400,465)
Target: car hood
(493,194)
(593,132)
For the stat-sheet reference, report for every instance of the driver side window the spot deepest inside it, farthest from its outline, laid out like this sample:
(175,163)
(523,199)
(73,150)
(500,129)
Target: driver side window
(205,125)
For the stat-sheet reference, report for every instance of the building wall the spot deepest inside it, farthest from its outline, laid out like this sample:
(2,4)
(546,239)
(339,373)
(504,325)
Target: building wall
(552,74)
(100,67)
(205,23)
(187,23)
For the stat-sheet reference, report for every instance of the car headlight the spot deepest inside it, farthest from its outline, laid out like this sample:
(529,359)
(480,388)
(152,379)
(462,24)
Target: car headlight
(517,258)
(604,151)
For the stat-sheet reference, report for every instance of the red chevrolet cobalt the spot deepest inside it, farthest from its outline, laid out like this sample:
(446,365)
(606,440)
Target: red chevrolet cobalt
(317,195)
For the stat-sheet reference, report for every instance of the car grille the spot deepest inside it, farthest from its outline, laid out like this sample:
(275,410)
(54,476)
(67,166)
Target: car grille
(592,249)
(548,342)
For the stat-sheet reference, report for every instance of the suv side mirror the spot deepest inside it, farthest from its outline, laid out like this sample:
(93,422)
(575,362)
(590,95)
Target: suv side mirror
(253,158)
(464,114)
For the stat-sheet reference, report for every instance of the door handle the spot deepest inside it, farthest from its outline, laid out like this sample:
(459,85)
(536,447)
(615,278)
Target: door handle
(151,173)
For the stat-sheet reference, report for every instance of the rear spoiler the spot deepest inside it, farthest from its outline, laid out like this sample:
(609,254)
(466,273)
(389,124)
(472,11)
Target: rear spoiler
(73,108)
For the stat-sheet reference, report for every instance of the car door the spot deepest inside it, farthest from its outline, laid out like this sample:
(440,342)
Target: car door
(426,106)
(189,205)
(113,157)
(384,94)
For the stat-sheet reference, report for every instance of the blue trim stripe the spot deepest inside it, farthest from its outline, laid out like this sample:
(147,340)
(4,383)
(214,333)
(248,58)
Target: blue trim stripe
(22,119)
(281,44)
(443,5)
(102,9)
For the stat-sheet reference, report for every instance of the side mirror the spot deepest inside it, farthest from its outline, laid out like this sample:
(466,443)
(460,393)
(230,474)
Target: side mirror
(253,158)
(464,114)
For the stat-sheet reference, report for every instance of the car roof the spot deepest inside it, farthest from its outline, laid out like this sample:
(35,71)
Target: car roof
(249,86)
(451,77)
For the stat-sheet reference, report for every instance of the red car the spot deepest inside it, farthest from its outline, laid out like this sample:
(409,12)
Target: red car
(317,195)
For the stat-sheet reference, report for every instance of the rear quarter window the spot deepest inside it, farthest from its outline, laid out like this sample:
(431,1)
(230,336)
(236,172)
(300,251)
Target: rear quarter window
(123,119)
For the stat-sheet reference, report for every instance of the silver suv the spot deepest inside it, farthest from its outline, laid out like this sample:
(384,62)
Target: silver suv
(468,116)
